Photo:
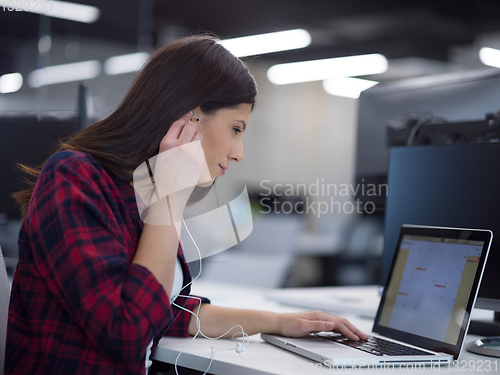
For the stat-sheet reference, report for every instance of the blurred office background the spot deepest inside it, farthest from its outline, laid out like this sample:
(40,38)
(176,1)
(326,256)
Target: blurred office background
(300,133)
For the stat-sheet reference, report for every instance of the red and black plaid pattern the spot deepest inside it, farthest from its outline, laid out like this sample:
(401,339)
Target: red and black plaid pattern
(78,304)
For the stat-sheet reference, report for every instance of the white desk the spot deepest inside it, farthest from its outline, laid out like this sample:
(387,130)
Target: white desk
(263,358)
(359,300)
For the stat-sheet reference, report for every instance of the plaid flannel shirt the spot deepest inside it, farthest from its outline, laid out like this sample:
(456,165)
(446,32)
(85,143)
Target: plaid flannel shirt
(78,304)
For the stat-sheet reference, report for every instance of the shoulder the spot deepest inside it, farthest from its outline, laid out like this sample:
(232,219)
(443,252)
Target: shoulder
(76,167)
(69,160)
(68,174)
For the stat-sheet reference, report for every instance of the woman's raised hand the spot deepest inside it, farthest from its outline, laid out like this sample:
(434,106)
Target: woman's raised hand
(177,169)
(181,132)
(181,163)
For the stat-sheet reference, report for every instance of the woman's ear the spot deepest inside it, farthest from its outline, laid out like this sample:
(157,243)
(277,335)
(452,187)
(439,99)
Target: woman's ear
(197,115)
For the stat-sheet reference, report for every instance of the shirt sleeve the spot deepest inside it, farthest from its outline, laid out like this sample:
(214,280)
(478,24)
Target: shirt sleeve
(179,327)
(81,251)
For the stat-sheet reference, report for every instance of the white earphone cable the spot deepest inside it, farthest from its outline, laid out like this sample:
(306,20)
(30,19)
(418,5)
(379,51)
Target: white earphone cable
(239,348)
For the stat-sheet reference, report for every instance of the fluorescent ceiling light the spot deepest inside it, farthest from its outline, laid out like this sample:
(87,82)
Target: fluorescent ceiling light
(267,43)
(347,87)
(130,63)
(62,9)
(316,70)
(490,56)
(11,82)
(64,73)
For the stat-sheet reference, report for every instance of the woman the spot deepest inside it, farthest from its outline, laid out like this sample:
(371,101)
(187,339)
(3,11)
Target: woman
(91,290)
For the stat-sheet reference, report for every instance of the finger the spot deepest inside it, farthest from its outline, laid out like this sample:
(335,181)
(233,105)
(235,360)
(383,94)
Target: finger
(320,325)
(356,331)
(187,133)
(176,128)
(343,329)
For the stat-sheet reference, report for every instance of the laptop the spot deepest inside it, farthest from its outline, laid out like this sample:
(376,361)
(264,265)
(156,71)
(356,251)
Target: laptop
(424,312)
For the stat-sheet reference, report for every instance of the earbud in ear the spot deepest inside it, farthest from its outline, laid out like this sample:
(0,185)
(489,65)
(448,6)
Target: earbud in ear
(194,118)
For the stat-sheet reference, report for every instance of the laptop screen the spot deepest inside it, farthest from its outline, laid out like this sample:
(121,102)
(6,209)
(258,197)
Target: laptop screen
(431,285)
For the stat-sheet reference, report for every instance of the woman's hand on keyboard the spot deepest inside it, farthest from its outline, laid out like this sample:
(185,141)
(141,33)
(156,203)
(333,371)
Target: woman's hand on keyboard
(303,323)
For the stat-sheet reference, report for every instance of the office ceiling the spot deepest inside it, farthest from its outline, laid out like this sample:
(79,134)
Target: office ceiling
(397,29)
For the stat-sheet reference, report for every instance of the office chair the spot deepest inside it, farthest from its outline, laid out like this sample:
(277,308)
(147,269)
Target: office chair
(4,308)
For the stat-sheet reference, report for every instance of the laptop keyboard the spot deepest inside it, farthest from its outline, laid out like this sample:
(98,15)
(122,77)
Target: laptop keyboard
(374,345)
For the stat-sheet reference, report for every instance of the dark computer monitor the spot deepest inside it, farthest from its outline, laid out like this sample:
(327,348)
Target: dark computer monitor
(27,139)
(458,96)
(447,185)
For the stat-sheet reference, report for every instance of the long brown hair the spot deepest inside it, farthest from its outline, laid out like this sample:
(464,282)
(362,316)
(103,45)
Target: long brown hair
(191,72)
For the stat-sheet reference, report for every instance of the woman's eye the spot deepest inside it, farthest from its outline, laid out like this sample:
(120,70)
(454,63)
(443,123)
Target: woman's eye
(236,130)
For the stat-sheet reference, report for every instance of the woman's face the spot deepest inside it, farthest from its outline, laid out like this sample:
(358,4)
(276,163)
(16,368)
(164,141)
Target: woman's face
(222,133)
